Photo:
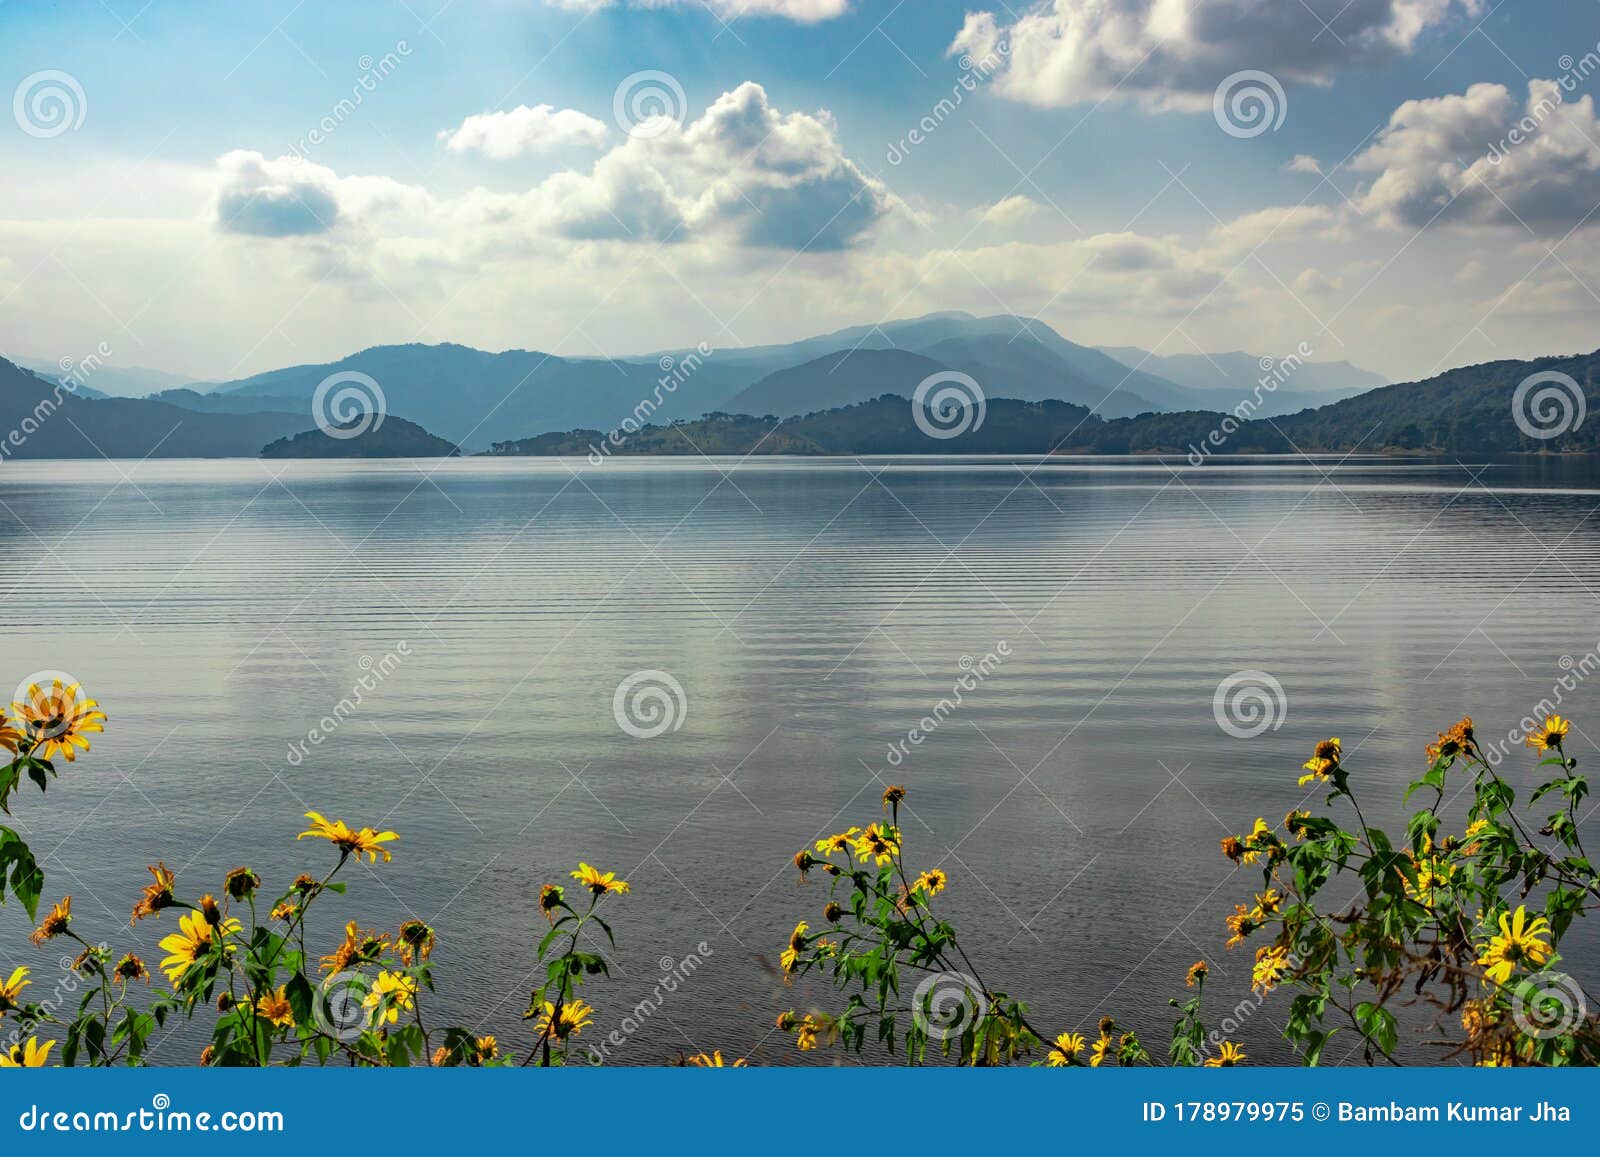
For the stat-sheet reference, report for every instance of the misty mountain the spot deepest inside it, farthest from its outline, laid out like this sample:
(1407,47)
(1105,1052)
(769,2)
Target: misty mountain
(39,419)
(1222,381)
(109,380)
(1467,410)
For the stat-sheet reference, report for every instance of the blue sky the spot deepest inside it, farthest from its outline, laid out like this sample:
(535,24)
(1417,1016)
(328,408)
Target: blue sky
(1085,176)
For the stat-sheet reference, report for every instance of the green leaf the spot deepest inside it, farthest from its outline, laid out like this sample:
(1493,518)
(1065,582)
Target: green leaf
(18,865)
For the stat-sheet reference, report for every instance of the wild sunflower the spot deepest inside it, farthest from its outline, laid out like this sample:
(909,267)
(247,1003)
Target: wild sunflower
(358,948)
(1243,922)
(592,879)
(880,842)
(55,719)
(892,795)
(575,1015)
(157,895)
(1229,1055)
(10,737)
(931,882)
(1097,1055)
(1271,965)
(11,990)
(130,967)
(714,1061)
(550,901)
(31,1055)
(348,841)
(1550,734)
(805,1033)
(1065,1047)
(53,924)
(241,883)
(415,942)
(391,993)
(192,942)
(1197,973)
(274,1008)
(1267,902)
(1295,823)
(797,944)
(838,842)
(284,911)
(1519,944)
(1452,742)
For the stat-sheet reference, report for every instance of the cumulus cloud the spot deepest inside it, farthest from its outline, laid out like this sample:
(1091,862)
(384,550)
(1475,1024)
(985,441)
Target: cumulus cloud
(1012,211)
(1304,163)
(805,11)
(744,169)
(1171,54)
(1484,157)
(524,130)
(743,174)
(289,197)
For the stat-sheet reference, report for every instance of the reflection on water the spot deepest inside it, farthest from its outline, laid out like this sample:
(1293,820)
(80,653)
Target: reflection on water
(813,613)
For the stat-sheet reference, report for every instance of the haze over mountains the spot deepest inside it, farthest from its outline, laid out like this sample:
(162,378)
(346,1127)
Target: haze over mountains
(444,396)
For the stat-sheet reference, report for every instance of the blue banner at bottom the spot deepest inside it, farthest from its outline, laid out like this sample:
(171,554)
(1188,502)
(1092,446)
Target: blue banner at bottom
(669,1111)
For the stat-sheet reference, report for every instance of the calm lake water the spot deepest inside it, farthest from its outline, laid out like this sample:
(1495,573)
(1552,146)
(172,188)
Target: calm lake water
(812,612)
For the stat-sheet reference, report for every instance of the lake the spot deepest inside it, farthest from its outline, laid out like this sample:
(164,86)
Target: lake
(813,612)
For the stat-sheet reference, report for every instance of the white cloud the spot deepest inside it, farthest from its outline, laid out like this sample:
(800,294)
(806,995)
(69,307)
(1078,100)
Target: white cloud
(1304,163)
(1481,157)
(289,197)
(805,11)
(524,130)
(1172,54)
(744,174)
(1011,212)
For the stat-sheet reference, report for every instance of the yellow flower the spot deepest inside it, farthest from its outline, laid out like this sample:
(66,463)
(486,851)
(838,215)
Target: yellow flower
(797,943)
(1271,964)
(1550,735)
(57,718)
(358,948)
(10,737)
(592,879)
(488,1048)
(157,895)
(1267,902)
(892,795)
(1295,824)
(1452,742)
(192,941)
(1066,1046)
(805,1033)
(130,967)
(273,1007)
(32,1055)
(715,1061)
(838,842)
(1241,924)
(11,990)
(931,882)
(1519,943)
(390,993)
(880,842)
(576,1015)
(1197,972)
(284,910)
(1228,1056)
(338,833)
(550,901)
(53,924)
(1097,1055)
(415,942)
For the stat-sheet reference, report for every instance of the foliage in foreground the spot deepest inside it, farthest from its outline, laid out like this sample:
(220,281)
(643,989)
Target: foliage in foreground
(1453,935)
